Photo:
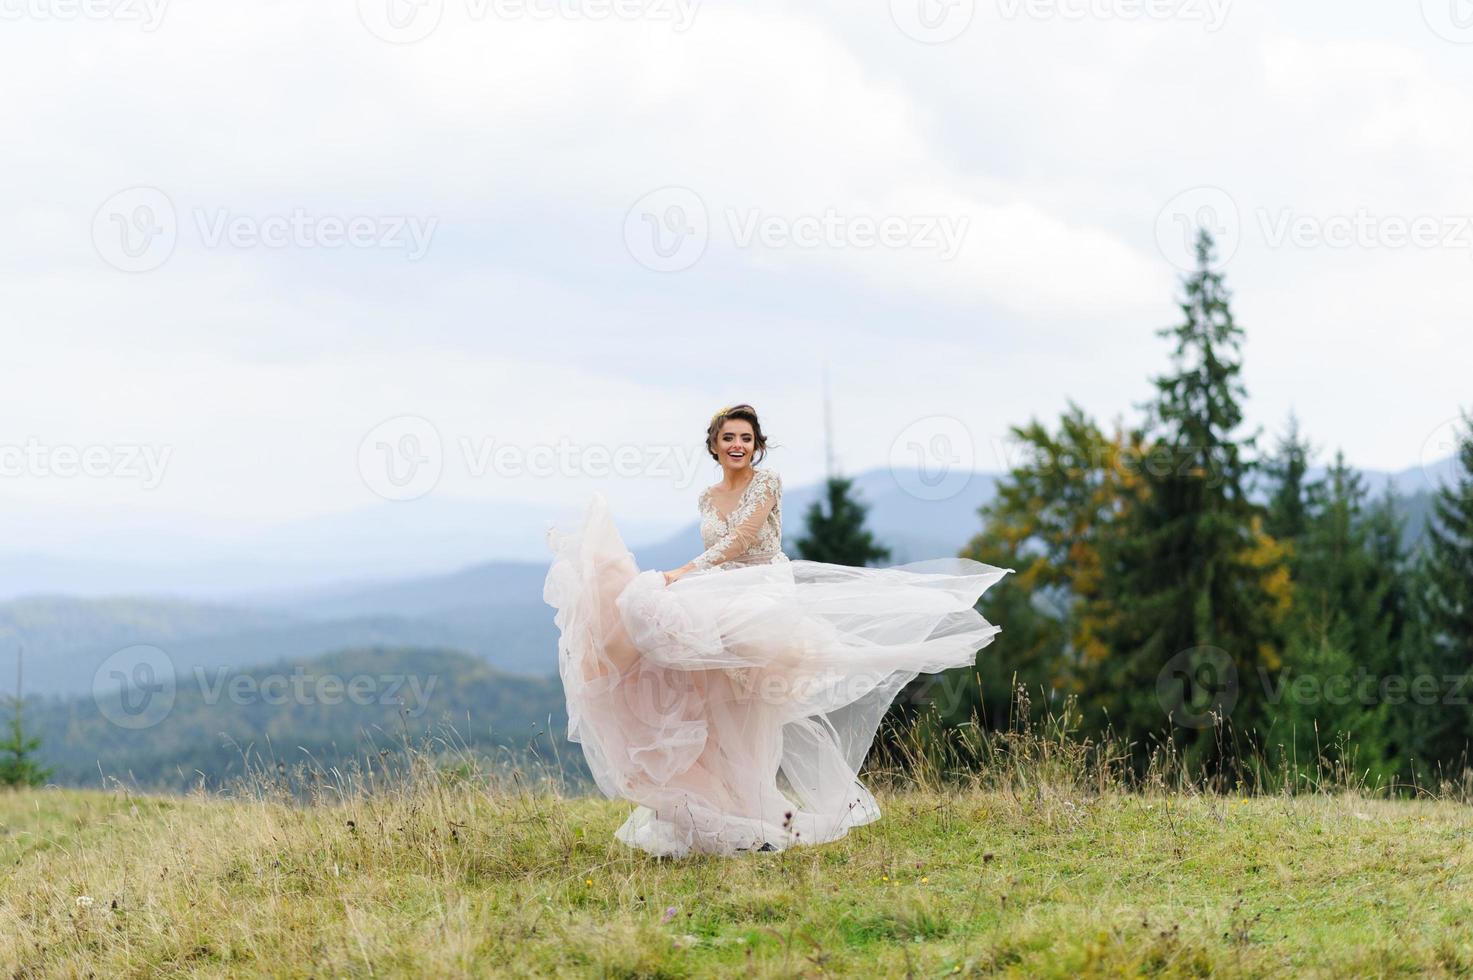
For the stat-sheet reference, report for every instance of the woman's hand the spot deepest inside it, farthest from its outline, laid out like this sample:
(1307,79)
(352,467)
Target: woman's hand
(673,576)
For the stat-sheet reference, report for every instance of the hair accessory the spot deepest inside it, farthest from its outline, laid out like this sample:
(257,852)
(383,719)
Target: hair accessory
(721,413)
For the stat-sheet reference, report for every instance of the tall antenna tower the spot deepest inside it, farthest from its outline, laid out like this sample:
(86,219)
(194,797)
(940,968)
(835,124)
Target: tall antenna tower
(828,426)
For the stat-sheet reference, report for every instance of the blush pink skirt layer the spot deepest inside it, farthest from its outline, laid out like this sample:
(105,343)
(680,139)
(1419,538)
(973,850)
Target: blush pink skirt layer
(736,707)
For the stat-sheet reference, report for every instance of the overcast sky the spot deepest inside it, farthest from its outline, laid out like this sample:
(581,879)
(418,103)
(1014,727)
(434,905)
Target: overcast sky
(271,246)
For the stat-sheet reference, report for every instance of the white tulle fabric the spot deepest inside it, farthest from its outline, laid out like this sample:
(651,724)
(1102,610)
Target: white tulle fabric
(736,706)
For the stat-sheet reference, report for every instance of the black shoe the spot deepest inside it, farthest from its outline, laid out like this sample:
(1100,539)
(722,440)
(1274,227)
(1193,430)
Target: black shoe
(766,847)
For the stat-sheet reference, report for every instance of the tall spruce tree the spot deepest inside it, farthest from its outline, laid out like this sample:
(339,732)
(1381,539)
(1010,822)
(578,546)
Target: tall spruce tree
(1289,487)
(1385,541)
(1442,730)
(1343,637)
(836,533)
(1202,588)
(1335,564)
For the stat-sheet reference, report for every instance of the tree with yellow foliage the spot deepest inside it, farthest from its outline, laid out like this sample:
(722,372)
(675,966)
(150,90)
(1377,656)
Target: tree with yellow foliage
(1200,590)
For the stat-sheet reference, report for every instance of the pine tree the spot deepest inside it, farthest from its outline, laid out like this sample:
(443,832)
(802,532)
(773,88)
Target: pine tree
(1289,486)
(1344,635)
(836,533)
(18,767)
(1385,537)
(1336,551)
(1442,730)
(1202,588)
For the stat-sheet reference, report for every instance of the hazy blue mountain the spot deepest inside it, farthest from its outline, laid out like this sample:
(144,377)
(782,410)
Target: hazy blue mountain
(1410,482)
(489,584)
(151,555)
(328,711)
(65,638)
(43,550)
(492,611)
(66,641)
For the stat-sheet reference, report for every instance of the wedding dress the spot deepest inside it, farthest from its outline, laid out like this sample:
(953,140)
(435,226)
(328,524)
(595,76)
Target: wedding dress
(736,705)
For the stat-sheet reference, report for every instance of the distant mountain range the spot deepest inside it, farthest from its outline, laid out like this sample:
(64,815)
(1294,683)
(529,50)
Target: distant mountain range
(483,632)
(492,611)
(334,711)
(41,552)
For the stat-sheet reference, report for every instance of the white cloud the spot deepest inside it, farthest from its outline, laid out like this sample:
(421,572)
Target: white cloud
(1055,142)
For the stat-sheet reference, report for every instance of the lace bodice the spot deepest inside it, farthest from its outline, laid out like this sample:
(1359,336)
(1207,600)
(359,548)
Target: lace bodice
(752,534)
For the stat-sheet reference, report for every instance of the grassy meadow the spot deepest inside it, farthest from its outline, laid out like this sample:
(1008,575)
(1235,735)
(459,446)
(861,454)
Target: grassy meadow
(447,874)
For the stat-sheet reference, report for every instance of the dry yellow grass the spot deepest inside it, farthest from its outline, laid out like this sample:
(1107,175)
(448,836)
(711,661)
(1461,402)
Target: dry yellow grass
(446,878)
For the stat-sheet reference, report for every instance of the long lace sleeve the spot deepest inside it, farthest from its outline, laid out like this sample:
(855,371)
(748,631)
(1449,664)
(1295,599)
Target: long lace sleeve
(746,522)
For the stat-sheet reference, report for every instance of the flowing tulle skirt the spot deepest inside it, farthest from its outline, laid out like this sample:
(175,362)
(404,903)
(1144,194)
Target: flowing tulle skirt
(735,707)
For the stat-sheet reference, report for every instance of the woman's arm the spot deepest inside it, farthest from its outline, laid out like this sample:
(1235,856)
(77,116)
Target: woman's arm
(745,525)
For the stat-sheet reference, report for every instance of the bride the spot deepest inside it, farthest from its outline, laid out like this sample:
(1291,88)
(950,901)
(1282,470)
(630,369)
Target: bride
(734,698)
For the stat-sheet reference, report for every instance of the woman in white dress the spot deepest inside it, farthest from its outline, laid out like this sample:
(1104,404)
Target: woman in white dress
(734,698)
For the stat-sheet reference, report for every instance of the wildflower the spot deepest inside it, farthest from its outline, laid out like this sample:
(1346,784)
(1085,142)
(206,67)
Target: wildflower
(669,914)
(884,877)
(588,882)
(924,879)
(84,901)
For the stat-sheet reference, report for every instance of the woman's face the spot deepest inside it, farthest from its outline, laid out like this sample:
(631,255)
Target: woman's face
(735,445)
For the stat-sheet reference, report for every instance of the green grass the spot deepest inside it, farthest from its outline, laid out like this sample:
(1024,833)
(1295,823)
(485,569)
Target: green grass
(442,880)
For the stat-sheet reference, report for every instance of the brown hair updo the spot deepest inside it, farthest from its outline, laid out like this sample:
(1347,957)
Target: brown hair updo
(747,414)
